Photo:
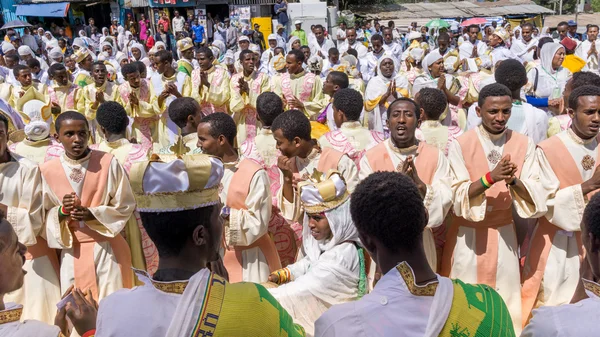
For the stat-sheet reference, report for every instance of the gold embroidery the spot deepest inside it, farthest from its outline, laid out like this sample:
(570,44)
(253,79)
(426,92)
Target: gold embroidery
(578,140)
(9,316)
(494,157)
(171,288)
(591,287)
(409,278)
(588,162)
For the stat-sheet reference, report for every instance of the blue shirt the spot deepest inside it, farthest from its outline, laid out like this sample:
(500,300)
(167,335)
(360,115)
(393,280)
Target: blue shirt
(199,32)
(282,17)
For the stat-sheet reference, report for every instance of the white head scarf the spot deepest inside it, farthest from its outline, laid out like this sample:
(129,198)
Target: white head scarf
(79,42)
(104,44)
(291,42)
(7,46)
(544,32)
(139,47)
(25,50)
(430,59)
(342,229)
(160,44)
(221,45)
(387,80)
(229,57)
(45,39)
(547,54)
(55,54)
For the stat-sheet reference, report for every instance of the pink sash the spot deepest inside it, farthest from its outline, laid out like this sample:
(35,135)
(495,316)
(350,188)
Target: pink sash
(338,141)
(207,107)
(69,102)
(307,86)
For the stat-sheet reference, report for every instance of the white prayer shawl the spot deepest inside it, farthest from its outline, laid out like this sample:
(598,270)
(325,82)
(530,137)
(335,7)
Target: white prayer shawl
(466,50)
(502,53)
(324,49)
(144,310)
(564,209)
(371,62)
(579,319)
(521,49)
(426,80)
(359,47)
(524,119)
(327,275)
(550,82)
(592,60)
(27,328)
(172,130)
(393,48)
(395,308)
(377,87)
(185,316)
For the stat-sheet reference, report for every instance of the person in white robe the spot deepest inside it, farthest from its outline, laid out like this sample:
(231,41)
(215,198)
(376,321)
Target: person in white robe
(389,45)
(372,59)
(388,85)
(332,270)
(353,43)
(410,299)
(548,80)
(474,52)
(525,47)
(581,317)
(588,51)
(320,46)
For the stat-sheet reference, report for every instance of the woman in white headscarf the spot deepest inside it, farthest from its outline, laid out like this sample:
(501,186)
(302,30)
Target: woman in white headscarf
(293,43)
(138,53)
(105,34)
(229,61)
(89,42)
(548,80)
(107,54)
(388,85)
(333,268)
(47,39)
(222,49)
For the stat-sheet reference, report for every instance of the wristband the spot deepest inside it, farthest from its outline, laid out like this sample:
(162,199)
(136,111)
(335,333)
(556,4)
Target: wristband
(61,212)
(90,333)
(488,177)
(485,182)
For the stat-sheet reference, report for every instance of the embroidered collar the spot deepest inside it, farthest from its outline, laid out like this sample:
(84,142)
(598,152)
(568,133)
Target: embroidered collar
(298,75)
(36,143)
(311,156)
(351,125)
(117,143)
(102,87)
(172,78)
(11,315)
(210,70)
(265,131)
(405,150)
(491,137)
(173,287)
(190,137)
(408,276)
(578,140)
(591,287)
(76,161)
(431,124)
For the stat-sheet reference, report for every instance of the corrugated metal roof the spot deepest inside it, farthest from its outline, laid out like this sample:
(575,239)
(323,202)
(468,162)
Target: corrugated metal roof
(462,9)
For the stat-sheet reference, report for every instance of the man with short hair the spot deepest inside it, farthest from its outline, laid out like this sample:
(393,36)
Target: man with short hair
(335,81)
(389,45)
(567,173)
(587,49)
(388,212)
(300,89)
(199,35)
(433,103)
(372,59)
(525,47)
(231,38)
(186,114)
(62,92)
(320,46)
(444,44)
(563,31)
(178,22)
(353,43)
(474,51)
(332,63)
(210,83)
(490,175)
(23,75)
(348,135)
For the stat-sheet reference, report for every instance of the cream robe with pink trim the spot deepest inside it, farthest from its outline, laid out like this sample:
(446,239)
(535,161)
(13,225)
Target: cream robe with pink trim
(352,139)
(243,106)
(551,270)
(215,98)
(306,87)
(481,244)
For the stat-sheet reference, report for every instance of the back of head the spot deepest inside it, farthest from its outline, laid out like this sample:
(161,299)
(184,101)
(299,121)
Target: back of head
(443,37)
(129,68)
(585,90)
(387,207)
(12,57)
(585,78)
(543,41)
(292,123)
(140,66)
(33,63)
(181,108)
(512,74)
(350,102)
(298,55)
(221,124)
(339,78)
(68,115)
(591,217)
(432,101)
(493,90)
(354,53)
(112,117)
(268,107)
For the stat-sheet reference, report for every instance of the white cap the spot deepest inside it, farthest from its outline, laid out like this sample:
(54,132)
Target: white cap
(6,47)
(298,22)
(414,35)
(272,37)
(243,38)
(25,50)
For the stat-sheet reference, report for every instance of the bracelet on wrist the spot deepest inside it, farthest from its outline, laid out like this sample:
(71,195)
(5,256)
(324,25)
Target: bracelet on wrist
(89,333)
(513,182)
(488,177)
(62,212)
(484,182)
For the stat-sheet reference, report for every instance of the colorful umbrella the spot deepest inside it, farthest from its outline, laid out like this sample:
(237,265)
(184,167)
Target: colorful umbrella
(473,21)
(437,23)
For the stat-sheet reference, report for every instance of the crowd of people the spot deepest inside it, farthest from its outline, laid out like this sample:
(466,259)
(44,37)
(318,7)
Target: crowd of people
(220,183)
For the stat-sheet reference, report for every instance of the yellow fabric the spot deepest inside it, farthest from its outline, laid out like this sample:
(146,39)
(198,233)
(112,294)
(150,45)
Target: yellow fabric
(83,79)
(553,127)
(574,63)
(317,129)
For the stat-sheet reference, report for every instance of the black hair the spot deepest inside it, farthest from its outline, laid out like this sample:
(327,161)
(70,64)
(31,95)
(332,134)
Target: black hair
(33,62)
(339,78)
(112,116)
(164,55)
(591,215)
(354,53)
(292,123)
(512,74)
(444,36)
(268,107)
(493,90)
(69,115)
(140,65)
(169,239)
(591,26)
(387,206)
(527,24)
(243,54)
(12,57)
(474,26)
(320,27)
(221,124)
(377,37)
(56,67)
(432,101)
(281,49)
(298,55)
(129,68)
(98,63)
(333,51)
(17,69)
(562,23)
(4,119)
(541,43)
(206,51)
(582,78)
(585,90)
(350,102)
(400,100)
(181,108)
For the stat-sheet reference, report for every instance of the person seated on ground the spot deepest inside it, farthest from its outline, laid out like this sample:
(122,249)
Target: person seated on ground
(388,212)
(12,258)
(179,205)
(581,317)
(332,270)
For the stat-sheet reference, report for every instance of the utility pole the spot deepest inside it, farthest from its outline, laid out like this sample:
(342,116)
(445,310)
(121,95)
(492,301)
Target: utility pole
(560,8)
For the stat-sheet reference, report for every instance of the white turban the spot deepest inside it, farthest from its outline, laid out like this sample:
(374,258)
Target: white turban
(55,53)
(6,47)
(37,128)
